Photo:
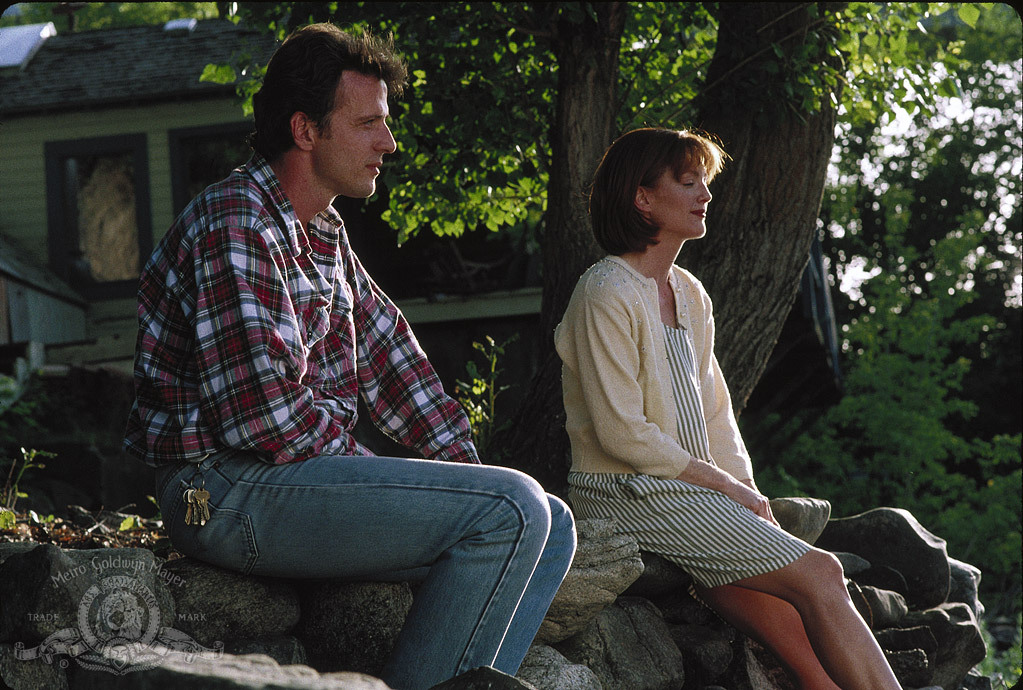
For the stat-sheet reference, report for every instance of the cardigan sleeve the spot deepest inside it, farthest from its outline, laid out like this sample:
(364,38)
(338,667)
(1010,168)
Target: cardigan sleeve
(597,341)
(726,445)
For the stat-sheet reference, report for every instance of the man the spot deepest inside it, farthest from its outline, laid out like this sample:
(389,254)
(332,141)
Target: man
(258,329)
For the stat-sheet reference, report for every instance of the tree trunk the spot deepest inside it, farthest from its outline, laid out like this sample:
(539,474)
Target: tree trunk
(766,202)
(587,56)
(761,221)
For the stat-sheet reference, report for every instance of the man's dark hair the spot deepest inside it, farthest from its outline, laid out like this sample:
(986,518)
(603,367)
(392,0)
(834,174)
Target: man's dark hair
(636,159)
(303,74)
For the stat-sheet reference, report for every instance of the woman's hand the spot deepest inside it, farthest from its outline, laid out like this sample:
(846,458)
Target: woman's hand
(744,493)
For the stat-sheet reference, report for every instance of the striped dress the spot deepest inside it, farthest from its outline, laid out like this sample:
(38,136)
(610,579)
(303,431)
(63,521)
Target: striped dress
(702,531)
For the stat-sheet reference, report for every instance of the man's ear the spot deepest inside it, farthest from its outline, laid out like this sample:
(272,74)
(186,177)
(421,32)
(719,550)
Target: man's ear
(303,131)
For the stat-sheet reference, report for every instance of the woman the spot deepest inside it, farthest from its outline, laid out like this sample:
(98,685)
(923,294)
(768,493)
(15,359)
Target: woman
(654,440)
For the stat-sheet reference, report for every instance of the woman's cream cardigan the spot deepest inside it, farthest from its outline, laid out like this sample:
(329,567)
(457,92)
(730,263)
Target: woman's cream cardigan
(621,413)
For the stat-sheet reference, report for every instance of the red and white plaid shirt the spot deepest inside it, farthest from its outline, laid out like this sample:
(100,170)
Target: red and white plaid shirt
(257,334)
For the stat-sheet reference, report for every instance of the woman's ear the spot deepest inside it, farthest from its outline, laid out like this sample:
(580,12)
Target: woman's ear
(642,199)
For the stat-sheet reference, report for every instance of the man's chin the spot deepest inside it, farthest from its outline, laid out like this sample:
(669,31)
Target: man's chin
(360,193)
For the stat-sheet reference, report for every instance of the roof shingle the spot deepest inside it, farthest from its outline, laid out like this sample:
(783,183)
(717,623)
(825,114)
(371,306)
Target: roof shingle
(133,65)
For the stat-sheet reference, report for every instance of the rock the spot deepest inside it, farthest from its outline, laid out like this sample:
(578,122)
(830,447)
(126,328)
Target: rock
(284,649)
(47,592)
(886,608)
(892,537)
(707,652)
(629,647)
(755,669)
(802,517)
(225,672)
(960,644)
(911,667)
(484,678)
(352,626)
(851,563)
(215,605)
(605,564)
(660,576)
(30,675)
(975,681)
(965,584)
(546,669)
(9,548)
(883,577)
(682,608)
(906,639)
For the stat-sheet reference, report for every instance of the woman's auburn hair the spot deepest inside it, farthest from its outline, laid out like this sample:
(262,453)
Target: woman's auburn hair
(638,159)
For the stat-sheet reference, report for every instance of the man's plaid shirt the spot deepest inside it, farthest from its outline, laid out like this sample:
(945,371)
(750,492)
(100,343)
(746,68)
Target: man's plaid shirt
(257,334)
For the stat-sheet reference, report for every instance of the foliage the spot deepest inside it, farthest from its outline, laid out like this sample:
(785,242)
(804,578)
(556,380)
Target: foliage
(1004,667)
(478,396)
(10,493)
(923,223)
(473,129)
(88,16)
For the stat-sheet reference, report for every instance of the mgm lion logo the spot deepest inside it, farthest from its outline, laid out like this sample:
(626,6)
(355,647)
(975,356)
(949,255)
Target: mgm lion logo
(118,631)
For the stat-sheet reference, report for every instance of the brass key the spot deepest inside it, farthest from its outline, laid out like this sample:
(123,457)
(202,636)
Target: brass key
(201,499)
(190,513)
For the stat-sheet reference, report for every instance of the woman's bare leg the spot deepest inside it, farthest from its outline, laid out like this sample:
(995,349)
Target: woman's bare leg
(774,623)
(814,584)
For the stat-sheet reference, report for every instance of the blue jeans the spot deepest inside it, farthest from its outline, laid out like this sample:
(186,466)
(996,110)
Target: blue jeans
(490,546)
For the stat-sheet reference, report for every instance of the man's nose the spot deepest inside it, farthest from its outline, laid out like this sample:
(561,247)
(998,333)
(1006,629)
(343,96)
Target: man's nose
(387,144)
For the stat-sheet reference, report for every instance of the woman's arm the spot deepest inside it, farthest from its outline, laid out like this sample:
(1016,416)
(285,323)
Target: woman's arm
(744,492)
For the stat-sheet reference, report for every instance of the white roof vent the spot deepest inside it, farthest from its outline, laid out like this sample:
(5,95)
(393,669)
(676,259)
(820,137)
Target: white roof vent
(19,43)
(180,26)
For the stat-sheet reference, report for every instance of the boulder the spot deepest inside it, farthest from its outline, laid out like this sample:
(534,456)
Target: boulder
(965,583)
(181,671)
(660,576)
(48,591)
(30,675)
(484,678)
(707,651)
(605,564)
(883,577)
(352,626)
(884,608)
(912,668)
(892,537)
(284,649)
(628,646)
(215,605)
(960,645)
(547,669)
(802,517)
(851,563)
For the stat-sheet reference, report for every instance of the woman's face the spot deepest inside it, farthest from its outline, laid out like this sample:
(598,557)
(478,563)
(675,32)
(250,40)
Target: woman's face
(677,207)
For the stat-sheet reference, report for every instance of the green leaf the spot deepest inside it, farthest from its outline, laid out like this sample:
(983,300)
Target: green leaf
(129,523)
(969,13)
(7,519)
(218,74)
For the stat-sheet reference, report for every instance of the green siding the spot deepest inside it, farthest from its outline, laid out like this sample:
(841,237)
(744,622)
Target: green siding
(23,193)
(22,164)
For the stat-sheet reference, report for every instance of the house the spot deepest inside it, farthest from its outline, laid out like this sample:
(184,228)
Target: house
(103,135)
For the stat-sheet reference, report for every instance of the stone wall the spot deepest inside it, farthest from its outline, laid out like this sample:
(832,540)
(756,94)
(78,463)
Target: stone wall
(623,620)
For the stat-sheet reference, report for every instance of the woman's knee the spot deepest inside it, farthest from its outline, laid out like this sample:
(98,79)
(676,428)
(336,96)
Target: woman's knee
(825,575)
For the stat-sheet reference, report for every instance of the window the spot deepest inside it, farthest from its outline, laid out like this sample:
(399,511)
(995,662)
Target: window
(201,156)
(99,217)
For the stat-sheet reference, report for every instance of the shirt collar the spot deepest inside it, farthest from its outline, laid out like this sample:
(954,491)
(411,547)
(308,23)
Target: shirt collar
(326,223)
